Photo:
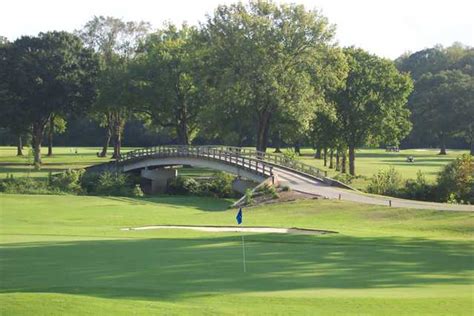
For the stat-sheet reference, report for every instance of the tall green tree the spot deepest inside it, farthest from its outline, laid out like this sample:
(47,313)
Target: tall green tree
(445,105)
(372,104)
(116,43)
(270,59)
(171,67)
(50,73)
(433,61)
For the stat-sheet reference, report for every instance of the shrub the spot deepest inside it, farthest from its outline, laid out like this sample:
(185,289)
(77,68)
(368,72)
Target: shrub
(89,181)
(289,154)
(268,189)
(24,186)
(222,184)
(386,182)
(69,181)
(418,189)
(345,178)
(285,188)
(183,185)
(456,181)
(248,196)
(114,184)
(137,191)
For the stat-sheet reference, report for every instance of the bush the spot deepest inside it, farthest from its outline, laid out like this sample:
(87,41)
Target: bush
(219,186)
(222,184)
(137,191)
(114,184)
(248,196)
(89,181)
(418,189)
(385,182)
(183,185)
(456,181)
(345,178)
(268,189)
(69,181)
(24,186)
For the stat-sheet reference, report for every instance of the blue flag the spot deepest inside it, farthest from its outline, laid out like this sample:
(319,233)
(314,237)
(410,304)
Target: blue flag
(239,216)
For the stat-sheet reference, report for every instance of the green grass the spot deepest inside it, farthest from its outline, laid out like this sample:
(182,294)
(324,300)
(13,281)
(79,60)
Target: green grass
(65,158)
(370,161)
(66,255)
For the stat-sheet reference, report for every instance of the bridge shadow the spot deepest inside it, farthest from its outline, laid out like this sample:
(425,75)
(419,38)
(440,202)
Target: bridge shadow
(173,268)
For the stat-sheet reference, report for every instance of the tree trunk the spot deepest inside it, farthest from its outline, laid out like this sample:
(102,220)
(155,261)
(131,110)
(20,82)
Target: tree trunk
(297,149)
(338,166)
(344,162)
(317,154)
(117,145)
(262,132)
(325,153)
(19,147)
(37,138)
(108,135)
(50,135)
(117,137)
(278,143)
(183,133)
(351,160)
(331,159)
(443,145)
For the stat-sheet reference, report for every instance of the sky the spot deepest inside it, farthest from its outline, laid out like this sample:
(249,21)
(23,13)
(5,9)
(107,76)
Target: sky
(387,28)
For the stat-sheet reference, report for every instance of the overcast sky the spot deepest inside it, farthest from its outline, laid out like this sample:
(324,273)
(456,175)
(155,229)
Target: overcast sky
(385,27)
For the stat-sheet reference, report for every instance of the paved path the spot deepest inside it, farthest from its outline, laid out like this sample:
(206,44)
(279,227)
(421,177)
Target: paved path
(303,184)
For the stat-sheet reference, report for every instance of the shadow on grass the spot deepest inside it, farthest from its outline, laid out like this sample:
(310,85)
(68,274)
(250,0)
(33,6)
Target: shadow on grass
(175,268)
(207,204)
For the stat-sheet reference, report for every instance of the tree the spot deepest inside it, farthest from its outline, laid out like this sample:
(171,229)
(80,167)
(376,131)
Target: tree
(268,60)
(433,61)
(9,118)
(51,73)
(170,64)
(372,104)
(445,105)
(116,42)
(56,124)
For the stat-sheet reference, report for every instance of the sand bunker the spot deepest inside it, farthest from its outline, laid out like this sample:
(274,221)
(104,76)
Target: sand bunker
(236,229)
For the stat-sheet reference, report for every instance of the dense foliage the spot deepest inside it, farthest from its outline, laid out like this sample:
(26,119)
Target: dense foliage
(219,185)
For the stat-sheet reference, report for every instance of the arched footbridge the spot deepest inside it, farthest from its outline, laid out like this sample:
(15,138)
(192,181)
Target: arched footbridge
(256,166)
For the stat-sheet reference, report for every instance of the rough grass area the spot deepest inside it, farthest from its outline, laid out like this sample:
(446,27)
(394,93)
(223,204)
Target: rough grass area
(67,255)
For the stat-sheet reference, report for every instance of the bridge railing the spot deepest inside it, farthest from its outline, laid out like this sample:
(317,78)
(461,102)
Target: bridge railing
(250,159)
(219,153)
(279,160)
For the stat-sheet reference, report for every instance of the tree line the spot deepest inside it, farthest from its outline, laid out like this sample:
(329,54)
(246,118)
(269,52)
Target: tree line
(256,73)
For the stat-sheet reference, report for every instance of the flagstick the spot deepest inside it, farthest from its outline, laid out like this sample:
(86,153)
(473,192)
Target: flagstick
(243,253)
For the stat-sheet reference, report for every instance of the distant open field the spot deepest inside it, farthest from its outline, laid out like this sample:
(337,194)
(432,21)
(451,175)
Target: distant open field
(370,161)
(63,158)
(67,255)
